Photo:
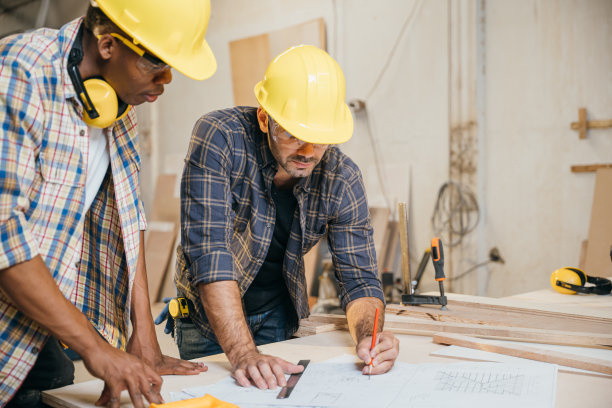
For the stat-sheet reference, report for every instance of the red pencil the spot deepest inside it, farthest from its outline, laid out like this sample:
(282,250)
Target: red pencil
(373,341)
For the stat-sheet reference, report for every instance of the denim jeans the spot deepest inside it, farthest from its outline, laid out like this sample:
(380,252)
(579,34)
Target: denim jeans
(267,327)
(52,369)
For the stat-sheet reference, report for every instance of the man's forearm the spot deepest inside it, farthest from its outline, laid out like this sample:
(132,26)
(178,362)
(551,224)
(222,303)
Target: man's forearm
(360,317)
(44,303)
(223,307)
(141,317)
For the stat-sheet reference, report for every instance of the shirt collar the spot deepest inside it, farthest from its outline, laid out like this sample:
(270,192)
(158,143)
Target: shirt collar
(66,37)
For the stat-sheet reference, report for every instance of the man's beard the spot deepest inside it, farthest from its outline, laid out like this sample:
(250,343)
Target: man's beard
(297,172)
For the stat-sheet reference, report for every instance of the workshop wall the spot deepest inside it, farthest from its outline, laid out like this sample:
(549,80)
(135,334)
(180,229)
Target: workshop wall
(543,60)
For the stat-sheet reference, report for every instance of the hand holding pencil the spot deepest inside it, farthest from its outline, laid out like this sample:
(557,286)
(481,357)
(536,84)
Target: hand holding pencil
(384,342)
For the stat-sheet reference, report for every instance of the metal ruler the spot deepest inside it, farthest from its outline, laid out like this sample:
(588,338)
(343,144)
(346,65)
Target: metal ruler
(292,381)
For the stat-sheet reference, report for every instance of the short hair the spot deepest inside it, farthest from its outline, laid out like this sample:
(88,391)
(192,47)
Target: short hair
(97,22)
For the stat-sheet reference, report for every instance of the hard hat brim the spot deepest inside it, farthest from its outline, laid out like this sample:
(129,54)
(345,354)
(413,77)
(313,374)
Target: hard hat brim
(199,67)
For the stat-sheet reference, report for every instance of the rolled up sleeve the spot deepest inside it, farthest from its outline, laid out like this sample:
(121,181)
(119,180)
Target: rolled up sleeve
(206,213)
(19,107)
(351,245)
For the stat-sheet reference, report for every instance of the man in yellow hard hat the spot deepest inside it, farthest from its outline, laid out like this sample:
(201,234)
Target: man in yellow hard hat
(72,263)
(259,189)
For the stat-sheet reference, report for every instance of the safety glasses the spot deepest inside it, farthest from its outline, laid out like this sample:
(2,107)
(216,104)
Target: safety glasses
(147,62)
(282,137)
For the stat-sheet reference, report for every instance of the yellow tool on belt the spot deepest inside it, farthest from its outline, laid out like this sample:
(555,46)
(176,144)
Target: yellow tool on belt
(177,307)
(207,401)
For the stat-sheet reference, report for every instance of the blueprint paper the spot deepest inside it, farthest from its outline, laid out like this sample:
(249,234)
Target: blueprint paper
(339,383)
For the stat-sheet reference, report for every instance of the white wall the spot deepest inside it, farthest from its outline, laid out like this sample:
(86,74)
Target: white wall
(544,60)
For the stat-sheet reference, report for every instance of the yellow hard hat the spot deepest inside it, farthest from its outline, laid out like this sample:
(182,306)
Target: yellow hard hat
(567,275)
(304,90)
(172,30)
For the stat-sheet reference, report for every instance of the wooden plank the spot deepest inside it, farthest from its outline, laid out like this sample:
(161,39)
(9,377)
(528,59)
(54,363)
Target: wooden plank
(407,325)
(160,237)
(589,168)
(249,59)
(582,123)
(403,233)
(473,313)
(166,203)
(582,256)
(531,353)
(598,261)
(168,288)
(479,311)
(308,33)
(309,327)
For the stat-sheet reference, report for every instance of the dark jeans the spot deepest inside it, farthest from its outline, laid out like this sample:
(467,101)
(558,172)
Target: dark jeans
(52,369)
(266,327)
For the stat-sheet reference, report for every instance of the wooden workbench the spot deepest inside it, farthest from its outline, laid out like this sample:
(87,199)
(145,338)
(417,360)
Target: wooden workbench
(573,390)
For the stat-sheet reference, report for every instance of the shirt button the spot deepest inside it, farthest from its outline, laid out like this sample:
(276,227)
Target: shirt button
(77,264)
(34,350)
(82,132)
(268,225)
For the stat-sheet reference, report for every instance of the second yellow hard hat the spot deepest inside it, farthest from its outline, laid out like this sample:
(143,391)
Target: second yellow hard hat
(304,91)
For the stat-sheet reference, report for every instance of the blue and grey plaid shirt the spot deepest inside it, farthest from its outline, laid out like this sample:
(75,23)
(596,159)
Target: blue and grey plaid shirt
(228,215)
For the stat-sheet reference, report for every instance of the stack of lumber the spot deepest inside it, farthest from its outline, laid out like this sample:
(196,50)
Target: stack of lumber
(487,321)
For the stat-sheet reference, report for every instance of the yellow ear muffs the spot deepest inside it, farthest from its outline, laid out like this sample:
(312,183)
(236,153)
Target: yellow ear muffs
(104,101)
(101,105)
(571,276)
(571,280)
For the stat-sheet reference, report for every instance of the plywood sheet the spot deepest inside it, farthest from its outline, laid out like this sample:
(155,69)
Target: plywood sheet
(598,262)
(249,57)
(166,201)
(159,239)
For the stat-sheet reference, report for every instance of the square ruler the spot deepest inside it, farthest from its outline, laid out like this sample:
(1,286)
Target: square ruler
(292,381)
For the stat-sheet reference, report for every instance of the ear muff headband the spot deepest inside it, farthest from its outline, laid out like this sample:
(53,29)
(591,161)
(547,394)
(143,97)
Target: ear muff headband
(564,281)
(102,107)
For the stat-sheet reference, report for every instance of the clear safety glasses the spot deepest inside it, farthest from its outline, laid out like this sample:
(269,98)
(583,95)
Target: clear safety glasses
(147,62)
(282,137)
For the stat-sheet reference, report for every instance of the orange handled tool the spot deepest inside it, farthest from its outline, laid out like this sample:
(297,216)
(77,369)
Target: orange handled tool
(437,257)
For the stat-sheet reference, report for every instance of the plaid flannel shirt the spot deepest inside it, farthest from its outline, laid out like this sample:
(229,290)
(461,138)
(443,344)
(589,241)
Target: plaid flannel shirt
(43,162)
(228,215)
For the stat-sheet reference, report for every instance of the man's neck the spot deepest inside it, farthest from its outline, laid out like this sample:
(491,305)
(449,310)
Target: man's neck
(283,181)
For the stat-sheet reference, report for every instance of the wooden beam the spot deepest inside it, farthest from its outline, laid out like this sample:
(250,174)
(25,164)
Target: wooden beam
(531,353)
(408,325)
(403,233)
(583,124)
(590,168)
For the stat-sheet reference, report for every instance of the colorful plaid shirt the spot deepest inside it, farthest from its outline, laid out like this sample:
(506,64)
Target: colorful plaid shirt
(228,215)
(43,164)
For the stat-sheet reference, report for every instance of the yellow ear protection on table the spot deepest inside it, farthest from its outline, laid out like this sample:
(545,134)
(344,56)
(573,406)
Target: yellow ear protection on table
(571,280)
(102,107)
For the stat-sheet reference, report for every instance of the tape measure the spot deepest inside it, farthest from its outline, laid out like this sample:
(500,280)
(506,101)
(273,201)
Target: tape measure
(178,308)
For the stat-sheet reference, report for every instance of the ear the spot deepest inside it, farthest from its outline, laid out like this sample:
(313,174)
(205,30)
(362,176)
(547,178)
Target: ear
(106,46)
(262,118)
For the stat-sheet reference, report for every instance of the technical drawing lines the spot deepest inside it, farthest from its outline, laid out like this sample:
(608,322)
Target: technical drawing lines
(500,383)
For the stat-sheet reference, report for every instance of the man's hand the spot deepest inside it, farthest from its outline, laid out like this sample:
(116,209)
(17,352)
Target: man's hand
(122,371)
(148,350)
(384,353)
(263,371)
